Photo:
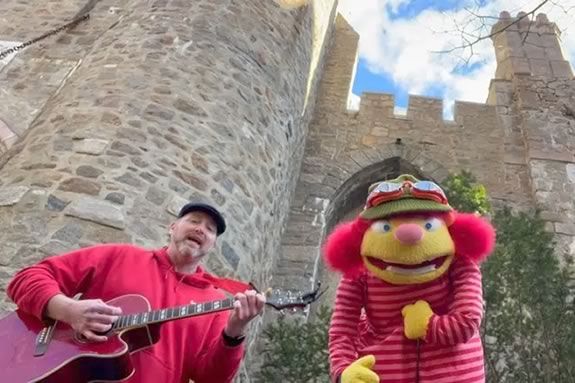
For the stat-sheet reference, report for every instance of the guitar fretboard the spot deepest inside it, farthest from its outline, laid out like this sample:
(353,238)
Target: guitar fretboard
(163,315)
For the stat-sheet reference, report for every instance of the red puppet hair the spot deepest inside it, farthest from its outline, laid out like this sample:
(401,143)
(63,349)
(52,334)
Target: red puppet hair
(343,247)
(474,237)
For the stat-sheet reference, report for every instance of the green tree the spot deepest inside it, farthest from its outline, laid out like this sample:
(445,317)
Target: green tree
(529,324)
(296,351)
(465,194)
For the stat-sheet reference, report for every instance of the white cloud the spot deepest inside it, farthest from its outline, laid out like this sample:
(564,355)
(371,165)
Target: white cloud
(353,102)
(403,48)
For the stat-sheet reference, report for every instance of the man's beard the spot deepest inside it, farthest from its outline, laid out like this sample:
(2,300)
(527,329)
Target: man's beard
(190,252)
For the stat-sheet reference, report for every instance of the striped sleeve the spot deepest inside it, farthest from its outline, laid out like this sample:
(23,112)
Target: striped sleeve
(344,325)
(465,310)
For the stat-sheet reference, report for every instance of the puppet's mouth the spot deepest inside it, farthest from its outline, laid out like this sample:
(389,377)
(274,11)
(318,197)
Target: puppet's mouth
(400,268)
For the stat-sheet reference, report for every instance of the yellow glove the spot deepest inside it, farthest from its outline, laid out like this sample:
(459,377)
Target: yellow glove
(360,371)
(415,319)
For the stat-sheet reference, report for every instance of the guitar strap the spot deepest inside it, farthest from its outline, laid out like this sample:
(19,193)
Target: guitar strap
(232,286)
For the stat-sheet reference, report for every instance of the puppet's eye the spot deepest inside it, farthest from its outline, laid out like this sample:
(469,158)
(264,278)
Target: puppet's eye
(381,226)
(432,224)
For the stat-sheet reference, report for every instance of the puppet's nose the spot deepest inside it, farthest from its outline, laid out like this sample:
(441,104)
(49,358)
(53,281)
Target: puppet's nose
(409,233)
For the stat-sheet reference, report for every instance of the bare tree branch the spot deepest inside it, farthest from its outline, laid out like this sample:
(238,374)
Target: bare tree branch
(560,6)
(469,44)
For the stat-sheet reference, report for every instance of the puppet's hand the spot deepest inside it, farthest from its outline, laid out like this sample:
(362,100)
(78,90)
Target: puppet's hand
(415,319)
(360,371)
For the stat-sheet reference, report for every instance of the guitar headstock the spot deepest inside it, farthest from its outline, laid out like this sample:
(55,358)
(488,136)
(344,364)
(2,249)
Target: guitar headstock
(281,299)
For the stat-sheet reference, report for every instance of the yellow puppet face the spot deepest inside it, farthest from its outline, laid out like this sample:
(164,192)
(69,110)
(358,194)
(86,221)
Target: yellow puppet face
(407,250)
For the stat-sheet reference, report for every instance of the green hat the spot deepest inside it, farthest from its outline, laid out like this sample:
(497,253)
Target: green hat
(405,204)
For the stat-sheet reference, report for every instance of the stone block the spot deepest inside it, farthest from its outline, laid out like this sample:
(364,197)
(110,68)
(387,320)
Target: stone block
(520,65)
(554,53)
(55,204)
(175,204)
(115,197)
(93,146)
(540,67)
(552,155)
(570,169)
(71,233)
(80,185)
(534,52)
(95,210)
(230,255)
(12,195)
(551,216)
(565,228)
(7,137)
(561,69)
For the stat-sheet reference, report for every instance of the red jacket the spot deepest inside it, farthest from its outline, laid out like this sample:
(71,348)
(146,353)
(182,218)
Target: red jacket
(189,348)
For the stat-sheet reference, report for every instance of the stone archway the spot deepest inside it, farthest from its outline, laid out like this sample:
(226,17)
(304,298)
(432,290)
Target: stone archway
(338,193)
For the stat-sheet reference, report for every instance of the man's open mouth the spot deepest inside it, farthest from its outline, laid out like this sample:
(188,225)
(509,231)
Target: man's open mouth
(195,240)
(399,268)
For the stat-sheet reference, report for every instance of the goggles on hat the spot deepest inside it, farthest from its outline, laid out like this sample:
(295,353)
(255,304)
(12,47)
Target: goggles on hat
(388,191)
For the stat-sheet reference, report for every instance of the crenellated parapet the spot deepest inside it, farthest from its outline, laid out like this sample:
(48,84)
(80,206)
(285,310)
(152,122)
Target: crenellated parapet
(420,108)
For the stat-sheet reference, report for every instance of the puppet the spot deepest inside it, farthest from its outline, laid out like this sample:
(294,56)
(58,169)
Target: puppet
(409,303)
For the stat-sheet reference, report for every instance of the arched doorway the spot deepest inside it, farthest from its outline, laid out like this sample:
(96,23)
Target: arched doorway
(300,264)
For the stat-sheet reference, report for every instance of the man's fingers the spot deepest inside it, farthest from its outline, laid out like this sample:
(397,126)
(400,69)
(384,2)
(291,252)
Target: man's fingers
(103,308)
(243,310)
(252,303)
(93,337)
(260,302)
(101,318)
(98,327)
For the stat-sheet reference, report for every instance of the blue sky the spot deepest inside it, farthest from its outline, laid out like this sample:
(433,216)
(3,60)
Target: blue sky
(411,9)
(398,37)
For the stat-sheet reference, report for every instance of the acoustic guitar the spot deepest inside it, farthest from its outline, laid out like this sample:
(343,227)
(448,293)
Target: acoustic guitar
(32,351)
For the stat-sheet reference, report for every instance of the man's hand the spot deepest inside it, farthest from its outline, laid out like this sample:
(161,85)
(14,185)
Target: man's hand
(247,306)
(87,317)
(360,371)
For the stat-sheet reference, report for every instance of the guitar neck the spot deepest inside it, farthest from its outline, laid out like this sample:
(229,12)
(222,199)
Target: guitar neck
(173,313)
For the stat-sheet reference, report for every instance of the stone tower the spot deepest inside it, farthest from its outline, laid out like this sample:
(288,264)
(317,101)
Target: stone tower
(534,93)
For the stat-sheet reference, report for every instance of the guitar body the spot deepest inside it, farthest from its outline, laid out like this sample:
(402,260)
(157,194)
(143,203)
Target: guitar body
(68,358)
(29,353)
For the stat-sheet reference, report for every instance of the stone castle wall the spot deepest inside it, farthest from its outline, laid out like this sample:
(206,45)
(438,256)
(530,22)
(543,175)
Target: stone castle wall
(108,129)
(105,131)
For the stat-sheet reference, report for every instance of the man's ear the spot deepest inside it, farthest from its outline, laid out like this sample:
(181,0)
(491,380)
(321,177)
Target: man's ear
(171,227)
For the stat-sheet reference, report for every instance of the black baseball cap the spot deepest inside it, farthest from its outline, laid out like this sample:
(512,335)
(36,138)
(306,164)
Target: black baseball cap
(208,209)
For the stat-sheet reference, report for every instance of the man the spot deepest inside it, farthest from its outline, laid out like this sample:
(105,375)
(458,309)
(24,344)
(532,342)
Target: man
(206,348)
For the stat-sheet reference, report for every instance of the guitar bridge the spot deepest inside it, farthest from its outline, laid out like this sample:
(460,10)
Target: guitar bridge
(43,339)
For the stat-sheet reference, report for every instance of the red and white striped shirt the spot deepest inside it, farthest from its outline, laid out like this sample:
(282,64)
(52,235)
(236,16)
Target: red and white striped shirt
(367,320)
